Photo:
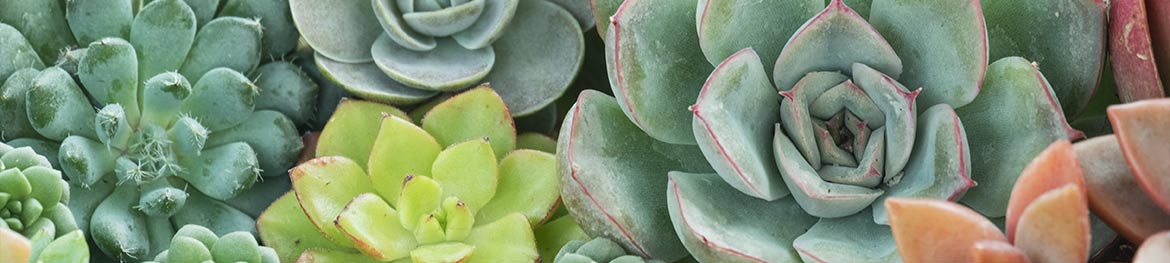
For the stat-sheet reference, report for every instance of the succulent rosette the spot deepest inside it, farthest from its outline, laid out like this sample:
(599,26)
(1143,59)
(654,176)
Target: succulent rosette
(180,127)
(597,250)
(460,187)
(37,224)
(194,243)
(724,124)
(405,51)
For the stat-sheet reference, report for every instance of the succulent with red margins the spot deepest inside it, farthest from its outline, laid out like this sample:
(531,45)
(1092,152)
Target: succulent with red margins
(457,188)
(1047,220)
(1116,165)
(403,52)
(1139,30)
(831,122)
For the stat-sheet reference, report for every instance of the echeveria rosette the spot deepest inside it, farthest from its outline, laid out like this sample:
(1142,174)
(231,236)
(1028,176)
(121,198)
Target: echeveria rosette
(832,123)
(37,225)
(195,243)
(458,187)
(598,250)
(178,129)
(405,51)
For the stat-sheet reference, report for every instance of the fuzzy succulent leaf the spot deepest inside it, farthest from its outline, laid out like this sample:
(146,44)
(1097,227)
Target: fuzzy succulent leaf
(279,34)
(221,99)
(270,134)
(109,71)
(17,51)
(745,240)
(57,108)
(229,42)
(118,229)
(163,33)
(13,111)
(611,170)
(1012,85)
(286,88)
(1031,30)
(44,24)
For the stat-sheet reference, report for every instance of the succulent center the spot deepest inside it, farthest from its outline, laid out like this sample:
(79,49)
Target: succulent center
(438,18)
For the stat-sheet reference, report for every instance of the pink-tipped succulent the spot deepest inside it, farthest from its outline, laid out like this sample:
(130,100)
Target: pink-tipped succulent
(1126,174)
(1139,30)
(893,99)
(1047,220)
(460,187)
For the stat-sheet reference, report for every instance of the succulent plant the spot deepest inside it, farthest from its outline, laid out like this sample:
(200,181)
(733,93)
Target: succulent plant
(404,51)
(37,224)
(843,134)
(1048,219)
(456,188)
(597,250)
(194,243)
(180,127)
(1155,249)
(1137,31)
(1117,164)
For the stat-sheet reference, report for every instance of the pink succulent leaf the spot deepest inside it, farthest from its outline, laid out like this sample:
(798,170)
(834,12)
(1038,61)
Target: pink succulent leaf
(921,238)
(1055,227)
(1131,51)
(996,251)
(1143,130)
(1052,169)
(1155,249)
(1110,186)
(726,26)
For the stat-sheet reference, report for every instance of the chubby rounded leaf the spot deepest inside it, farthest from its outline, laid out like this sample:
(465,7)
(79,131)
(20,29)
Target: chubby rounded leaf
(285,227)
(226,42)
(57,108)
(17,53)
(1110,187)
(93,20)
(447,67)
(368,81)
(162,34)
(220,99)
(374,228)
(528,184)
(342,30)
(401,149)
(286,88)
(937,231)
(477,114)
(537,58)
(507,239)
(224,171)
(271,135)
(1141,129)
(469,171)
(1055,227)
(1052,169)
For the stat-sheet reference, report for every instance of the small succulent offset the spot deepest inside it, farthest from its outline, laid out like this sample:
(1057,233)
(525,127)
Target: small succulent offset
(598,250)
(1047,219)
(179,127)
(843,134)
(37,224)
(406,51)
(1137,35)
(194,243)
(455,189)
(1116,165)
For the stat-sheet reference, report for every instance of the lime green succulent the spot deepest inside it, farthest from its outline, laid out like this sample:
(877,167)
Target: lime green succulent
(460,187)
(37,224)
(194,243)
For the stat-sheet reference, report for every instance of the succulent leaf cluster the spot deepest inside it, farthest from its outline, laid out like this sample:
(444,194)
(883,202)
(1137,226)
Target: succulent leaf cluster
(597,250)
(37,224)
(406,51)
(1047,219)
(460,187)
(157,112)
(892,99)
(194,243)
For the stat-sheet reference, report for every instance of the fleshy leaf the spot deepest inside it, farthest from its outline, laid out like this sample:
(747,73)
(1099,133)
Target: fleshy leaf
(220,99)
(84,160)
(734,118)
(1052,169)
(467,170)
(552,236)
(1054,227)
(1132,57)
(163,34)
(162,100)
(447,21)
(496,16)
(442,252)
(353,129)
(366,80)
(447,67)
(401,149)
(286,88)
(229,42)
(725,27)
(536,141)
(1110,186)
(323,187)
(603,11)
(922,238)
(614,177)
(57,108)
(1015,110)
(280,36)
(942,44)
(538,57)
(1031,29)
(315,255)
(118,229)
(507,239)
(817,197)
(849,239)
(419,198)
(390,17)
(654,85)
(109,71)
(834,40)
(528,184)
(899,105)
(284,227)
(374,228)
(13,93)
(473,115)
(224,171)
(1154,249)
(734,227)
(995,251)
(271,135)
(93,20)
(940,165)
(43,23)
(1141,129)
(340,30)
(16,52)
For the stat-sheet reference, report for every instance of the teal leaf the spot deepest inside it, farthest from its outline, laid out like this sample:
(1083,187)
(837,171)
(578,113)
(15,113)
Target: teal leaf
(342,30)
(447,67)
(537,58)
(163,34)
(94,20)
(229,42)
(366,80)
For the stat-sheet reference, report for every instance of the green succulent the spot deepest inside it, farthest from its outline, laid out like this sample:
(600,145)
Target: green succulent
(37,224)
(405,51)
(732,145)
(188,115)
(597,250)
(458,188)
(197,244)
